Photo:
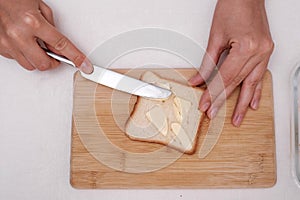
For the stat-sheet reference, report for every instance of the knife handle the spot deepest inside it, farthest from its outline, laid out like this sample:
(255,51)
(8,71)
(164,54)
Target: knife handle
(59,58)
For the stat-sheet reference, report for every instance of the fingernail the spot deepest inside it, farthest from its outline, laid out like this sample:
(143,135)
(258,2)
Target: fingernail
(254,104)
(213,113)
(86,67)
(237,120)
(204,107)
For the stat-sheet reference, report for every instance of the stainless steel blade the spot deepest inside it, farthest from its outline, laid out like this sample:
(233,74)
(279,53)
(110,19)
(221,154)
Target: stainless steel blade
(126,84)
(119,81)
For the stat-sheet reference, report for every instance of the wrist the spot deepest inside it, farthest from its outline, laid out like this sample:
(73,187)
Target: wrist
(243,1)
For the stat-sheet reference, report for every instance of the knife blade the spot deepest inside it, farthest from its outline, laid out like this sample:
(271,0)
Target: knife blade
(119,81)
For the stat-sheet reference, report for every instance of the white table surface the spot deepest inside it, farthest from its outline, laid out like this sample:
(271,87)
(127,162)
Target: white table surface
(36,107)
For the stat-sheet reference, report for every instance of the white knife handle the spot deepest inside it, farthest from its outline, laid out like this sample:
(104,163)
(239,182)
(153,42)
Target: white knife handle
(59,58)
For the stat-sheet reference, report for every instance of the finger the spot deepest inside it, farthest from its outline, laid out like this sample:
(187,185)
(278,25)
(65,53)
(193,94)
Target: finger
(214,49)
(4,46)
(53,49)
(52,37)
(6,55)
(247,92)
(13,53)
(44,45)
(257,93)
(47,12)
(218,99)
(256,97)
(20,58)
(37,57)
(230,69)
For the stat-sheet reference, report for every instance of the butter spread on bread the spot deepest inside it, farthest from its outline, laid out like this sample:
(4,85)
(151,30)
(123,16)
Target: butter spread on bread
(173,122)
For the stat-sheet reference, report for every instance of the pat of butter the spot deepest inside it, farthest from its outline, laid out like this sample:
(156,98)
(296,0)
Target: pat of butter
(181,135)
(163,85)
(181,107)
(158,118)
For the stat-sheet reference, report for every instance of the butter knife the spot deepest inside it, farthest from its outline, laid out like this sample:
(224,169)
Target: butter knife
(119,81)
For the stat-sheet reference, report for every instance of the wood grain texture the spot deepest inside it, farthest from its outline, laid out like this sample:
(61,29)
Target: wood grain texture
(103,157)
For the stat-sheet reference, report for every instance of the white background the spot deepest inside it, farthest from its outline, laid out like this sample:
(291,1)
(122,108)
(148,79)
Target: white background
(36,107)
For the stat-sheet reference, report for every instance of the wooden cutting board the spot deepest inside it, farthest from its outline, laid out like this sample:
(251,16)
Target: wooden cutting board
(103,157)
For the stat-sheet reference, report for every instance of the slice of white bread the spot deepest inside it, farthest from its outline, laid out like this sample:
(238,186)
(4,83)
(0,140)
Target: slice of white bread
(173,122)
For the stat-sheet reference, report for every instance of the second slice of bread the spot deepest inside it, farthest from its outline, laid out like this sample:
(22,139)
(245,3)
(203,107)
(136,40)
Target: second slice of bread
(174,122)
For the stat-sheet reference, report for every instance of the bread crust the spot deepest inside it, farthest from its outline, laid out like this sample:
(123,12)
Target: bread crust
(169,144)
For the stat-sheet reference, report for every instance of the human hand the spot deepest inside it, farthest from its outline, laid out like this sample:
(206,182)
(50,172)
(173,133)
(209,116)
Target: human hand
(22,23)
(242,27)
